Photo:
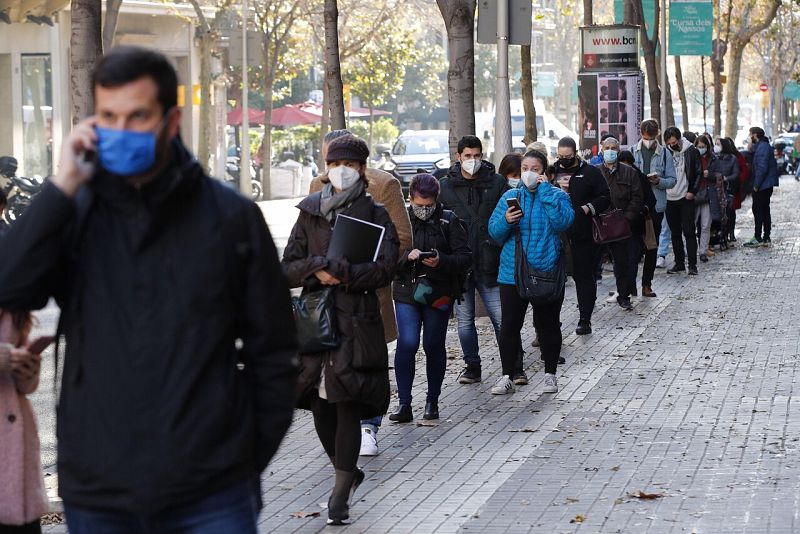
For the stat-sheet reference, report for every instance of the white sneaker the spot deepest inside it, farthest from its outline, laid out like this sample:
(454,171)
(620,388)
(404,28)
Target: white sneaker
(369,443)
(661,261)
(504,386)
(550,383)
(612,297)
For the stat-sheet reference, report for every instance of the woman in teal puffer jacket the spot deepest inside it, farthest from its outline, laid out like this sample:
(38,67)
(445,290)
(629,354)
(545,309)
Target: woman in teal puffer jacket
(545,212)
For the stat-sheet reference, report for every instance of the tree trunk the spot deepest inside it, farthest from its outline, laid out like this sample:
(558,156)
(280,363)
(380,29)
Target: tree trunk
(716,70)
(587,13)
(86,49)
(651,67)
(333,69)
(732,88)
(628,12)
(670,108)
(110,24)
(266,140)
(528,104)
(204,142)
(324,125)
(459,20)
(682,92)
(371,123)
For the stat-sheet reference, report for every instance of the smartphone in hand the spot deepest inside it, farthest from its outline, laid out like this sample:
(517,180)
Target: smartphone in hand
(39,344)
(653,178)
(513,203)
(427,255)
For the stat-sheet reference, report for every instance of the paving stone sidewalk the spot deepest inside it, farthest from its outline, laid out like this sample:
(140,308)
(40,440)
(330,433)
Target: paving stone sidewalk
(689,396)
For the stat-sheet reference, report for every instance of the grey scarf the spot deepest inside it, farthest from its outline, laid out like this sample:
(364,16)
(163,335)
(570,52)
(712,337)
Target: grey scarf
(332,202)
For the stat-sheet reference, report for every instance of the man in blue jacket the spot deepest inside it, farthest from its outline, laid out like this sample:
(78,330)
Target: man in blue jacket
(765,177)
(652,159)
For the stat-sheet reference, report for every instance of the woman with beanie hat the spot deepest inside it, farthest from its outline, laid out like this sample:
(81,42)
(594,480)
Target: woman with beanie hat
(347,384)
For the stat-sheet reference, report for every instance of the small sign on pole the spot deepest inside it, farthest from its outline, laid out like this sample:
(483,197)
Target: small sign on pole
(763,88)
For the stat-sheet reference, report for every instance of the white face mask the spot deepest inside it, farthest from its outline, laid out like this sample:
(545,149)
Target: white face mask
(343,177)
(530,179)
(471,166)
(648,142)
(717,149)
(513,182)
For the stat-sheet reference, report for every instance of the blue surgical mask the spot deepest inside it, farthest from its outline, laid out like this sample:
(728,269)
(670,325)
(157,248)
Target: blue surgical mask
(124,152)
(610,156)
(128,153)
(702,150)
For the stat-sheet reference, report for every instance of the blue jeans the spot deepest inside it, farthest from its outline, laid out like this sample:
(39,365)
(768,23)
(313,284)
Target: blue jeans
(411,319)
(232,510)
(465,316)
(664,240)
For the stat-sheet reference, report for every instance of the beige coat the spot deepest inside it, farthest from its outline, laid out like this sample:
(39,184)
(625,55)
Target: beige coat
(385,189)
(22,494)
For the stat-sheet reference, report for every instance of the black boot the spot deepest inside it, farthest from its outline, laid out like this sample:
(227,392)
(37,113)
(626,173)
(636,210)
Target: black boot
(343,489)
(431,411)
(402,415)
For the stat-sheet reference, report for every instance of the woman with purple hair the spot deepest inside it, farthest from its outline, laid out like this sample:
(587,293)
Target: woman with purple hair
(428,280)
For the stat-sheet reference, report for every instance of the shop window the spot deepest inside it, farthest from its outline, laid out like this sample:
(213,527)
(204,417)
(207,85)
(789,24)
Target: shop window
(37,114)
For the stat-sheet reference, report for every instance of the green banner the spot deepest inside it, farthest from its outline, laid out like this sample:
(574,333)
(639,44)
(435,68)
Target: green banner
(791,91)
(691,24)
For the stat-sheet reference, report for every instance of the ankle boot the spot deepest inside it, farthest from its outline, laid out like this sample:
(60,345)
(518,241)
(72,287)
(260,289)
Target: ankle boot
(431,411)
(343,489)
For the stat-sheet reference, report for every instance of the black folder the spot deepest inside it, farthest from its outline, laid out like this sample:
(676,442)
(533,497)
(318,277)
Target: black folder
(358,241)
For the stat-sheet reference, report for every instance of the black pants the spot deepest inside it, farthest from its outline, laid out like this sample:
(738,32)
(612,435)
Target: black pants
(29,528)
(338,426)
(620,253)
(680,218)
(731,229)
(548,326)
(584,259)
(649,268)
(761,213)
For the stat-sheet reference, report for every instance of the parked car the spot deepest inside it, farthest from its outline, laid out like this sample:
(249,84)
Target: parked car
(417,151)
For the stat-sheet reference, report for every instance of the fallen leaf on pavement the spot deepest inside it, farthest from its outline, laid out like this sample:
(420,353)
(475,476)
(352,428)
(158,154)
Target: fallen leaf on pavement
(615,468)
(427,423)
(578,519)
(301,514)
(524,430)
(646,496)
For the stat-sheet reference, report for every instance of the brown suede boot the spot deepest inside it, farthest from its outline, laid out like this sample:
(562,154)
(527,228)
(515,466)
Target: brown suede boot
(647,291)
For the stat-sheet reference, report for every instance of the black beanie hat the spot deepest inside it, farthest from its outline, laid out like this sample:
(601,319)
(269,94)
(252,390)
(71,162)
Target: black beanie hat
(348,147)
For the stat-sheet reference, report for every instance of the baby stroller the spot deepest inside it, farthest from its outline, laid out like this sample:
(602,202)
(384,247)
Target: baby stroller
(719,199)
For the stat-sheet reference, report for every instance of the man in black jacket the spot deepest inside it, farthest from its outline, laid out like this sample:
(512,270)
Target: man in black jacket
(178,381)
(680,212)
(589,193)
(472,189)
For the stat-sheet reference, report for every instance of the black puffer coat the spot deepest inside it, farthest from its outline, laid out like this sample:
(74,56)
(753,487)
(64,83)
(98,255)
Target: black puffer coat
(474,201)
(358,371)
(445,233)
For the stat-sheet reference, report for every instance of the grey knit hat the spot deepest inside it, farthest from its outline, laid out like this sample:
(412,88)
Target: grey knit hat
(348,147)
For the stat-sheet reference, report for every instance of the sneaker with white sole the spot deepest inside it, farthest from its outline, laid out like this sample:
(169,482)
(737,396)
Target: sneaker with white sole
(369,443)
(661,261)
(504,386)
(550,383)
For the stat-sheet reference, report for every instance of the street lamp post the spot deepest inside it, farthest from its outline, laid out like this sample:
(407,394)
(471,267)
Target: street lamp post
(502,120)
(244,161)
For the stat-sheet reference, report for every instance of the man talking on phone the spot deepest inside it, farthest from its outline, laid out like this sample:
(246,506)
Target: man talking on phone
(178,379)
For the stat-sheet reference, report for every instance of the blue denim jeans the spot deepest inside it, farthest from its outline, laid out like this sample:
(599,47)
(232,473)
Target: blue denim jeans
(413,319)
(465,316)
(231,510)
(664,240)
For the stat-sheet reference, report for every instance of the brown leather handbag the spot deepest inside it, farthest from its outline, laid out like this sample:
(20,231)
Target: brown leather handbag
(610,226)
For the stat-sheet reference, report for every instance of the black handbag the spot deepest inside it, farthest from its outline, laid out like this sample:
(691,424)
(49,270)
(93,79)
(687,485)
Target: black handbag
(315,320)
(537,287)
(609,227)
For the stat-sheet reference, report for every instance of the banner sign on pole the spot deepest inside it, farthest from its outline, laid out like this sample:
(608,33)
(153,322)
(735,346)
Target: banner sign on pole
(610,103)
(520,22)
(691,24)
(609,47)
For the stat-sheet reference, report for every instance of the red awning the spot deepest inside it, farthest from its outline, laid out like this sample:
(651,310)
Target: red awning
(235,116)
(293,116)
